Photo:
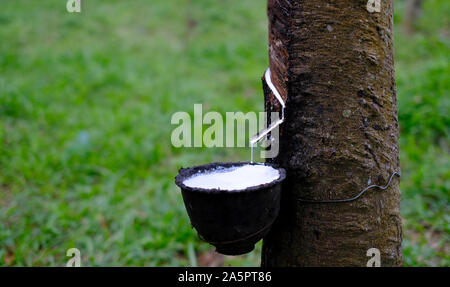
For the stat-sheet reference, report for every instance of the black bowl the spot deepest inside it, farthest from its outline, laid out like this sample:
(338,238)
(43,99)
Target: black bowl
(232,221)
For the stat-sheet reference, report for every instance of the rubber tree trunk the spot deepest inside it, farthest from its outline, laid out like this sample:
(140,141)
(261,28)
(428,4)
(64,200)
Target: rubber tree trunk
(333,63)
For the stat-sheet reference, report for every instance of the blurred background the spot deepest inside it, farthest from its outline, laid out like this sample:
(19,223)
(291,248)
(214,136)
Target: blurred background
(86,101)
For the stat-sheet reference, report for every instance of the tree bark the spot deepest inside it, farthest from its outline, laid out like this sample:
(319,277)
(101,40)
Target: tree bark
(332,62)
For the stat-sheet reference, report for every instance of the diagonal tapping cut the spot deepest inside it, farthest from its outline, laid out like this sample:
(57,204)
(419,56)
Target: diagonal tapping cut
(260,135)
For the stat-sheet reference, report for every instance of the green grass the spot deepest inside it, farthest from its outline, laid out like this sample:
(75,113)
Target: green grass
(85,107)
(423,90)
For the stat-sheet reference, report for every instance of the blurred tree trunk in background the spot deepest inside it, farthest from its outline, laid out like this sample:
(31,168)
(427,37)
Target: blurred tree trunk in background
(332,62)
(412,13)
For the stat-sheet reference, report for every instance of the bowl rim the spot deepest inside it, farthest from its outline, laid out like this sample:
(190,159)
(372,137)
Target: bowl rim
(185,173)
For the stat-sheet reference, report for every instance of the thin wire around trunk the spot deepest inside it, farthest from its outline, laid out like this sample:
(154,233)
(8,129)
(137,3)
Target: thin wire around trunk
(355,197)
